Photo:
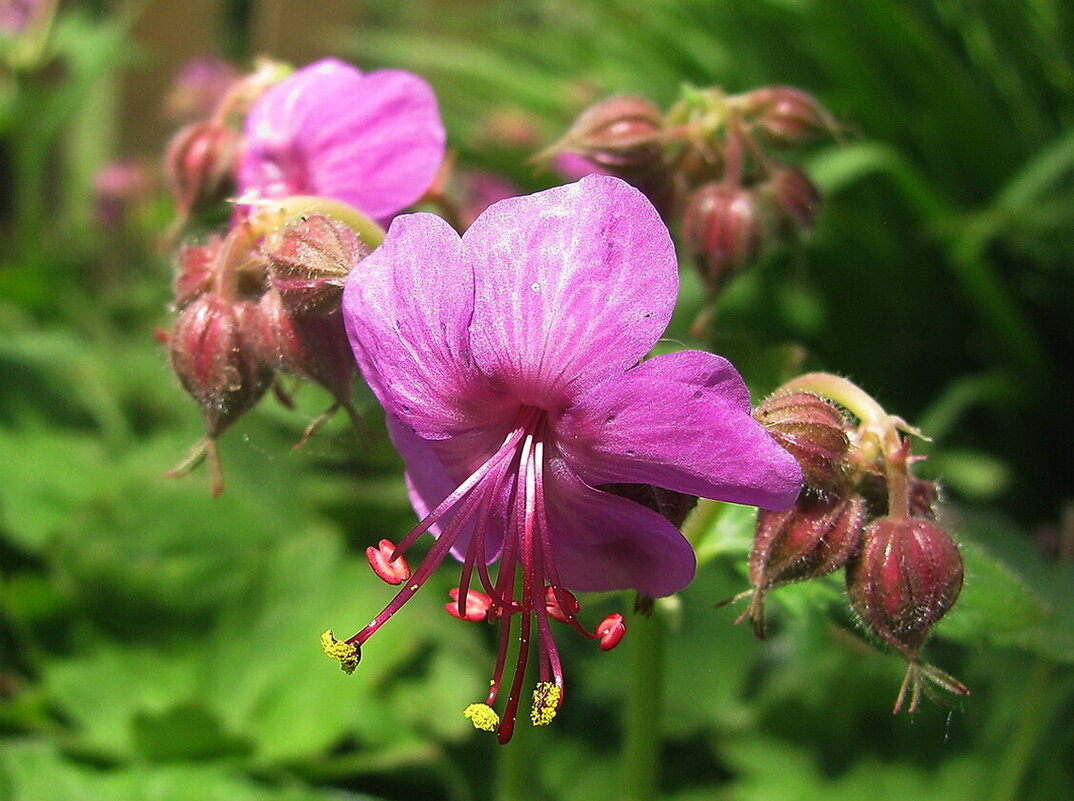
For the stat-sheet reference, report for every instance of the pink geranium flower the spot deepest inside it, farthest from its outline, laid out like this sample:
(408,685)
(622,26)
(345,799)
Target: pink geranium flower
(372,140)
(510,362)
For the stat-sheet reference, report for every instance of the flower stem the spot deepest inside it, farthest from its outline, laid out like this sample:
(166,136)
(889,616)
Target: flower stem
(641,747)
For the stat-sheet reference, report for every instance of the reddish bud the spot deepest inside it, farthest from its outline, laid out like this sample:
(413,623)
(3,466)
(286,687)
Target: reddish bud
(553,602)
(475,609)
(811,539)
(794,199)
(391,571)
(787,117)
(906,576)
(618,132)
(725,230)
(213,351)
(309,263)
(195,268)
(199,164)
(611,631)
(311,346)
(813,431)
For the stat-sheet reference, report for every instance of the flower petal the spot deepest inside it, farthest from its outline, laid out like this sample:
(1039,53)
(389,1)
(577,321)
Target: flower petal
(407,308)
(374,141)
(603,542)
(573,285)
(682,422)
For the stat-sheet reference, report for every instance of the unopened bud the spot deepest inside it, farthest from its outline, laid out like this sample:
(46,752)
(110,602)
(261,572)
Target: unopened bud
(611,631)
(215,355)
(725,230)
(475,608)
(391,571)
(813,431)
(195,267)
(787,117)
(309,263)
(618,132)
(811,539)
(906,576)
(199,164)
(794,199)
(561,604)
(310,346)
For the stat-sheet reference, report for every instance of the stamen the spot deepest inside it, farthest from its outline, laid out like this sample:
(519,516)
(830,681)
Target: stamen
(474,606)
(346,653)
(611,631)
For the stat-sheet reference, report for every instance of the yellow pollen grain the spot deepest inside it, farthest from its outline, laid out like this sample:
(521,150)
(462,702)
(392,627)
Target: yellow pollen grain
(483,717)
(346,654)
(546,698)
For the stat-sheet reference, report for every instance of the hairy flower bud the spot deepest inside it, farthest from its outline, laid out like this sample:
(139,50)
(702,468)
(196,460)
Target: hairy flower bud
(199,164)
(906,576)
(195,268)
(310,346)
(813,431)
(309,263)
(623,131)
(214,353)
(787,117)
(794,199)
(725,229)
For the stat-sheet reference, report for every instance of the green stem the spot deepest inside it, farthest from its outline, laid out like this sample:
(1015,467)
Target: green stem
(641,749)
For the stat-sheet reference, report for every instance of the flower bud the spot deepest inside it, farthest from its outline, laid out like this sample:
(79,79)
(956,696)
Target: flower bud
(623,131)
(309,263)
(787,117)
(310,346)
(906,576)
(794,200)
(811,539)
(214,352)
(725,230)
(195,268)
(813,431)
(199,164)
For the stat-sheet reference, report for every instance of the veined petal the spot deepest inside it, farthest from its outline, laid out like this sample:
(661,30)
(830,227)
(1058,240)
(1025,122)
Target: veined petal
(374,141)
(682,422)
(407,308)
(572,285)
(603,542)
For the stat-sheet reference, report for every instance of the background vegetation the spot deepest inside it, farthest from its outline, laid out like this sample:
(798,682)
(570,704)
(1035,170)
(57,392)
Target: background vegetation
(155,643)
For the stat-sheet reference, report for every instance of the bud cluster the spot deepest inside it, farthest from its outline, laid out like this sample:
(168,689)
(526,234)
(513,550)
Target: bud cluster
(261,298)
(861,508)
(708,162)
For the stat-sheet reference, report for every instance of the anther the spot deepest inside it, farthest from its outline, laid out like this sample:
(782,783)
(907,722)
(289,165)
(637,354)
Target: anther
(475,608)
(392,571)
(547,697)
(552,602)
(347,654)
(610,631)
(483,717)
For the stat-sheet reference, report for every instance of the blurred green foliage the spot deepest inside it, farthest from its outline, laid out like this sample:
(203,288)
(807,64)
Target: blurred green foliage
(155,643)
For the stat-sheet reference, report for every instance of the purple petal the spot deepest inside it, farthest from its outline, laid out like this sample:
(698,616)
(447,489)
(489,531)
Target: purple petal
(682,422)
(603,542)
(573,285)
(407,308)
(374,141)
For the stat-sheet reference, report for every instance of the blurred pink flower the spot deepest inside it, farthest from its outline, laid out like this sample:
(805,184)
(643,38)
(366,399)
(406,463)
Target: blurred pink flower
(372,140)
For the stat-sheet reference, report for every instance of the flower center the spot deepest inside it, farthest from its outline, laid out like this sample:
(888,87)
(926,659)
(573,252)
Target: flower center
(507,489)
